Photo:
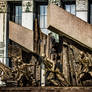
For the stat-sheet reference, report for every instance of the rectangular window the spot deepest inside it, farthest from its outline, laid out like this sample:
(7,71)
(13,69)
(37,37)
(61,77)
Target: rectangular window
(43,19)
(18,15)
(90,12)
(70,7)
(15,11)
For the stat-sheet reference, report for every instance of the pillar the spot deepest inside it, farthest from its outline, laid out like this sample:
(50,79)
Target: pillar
(3,46)
(27,14)
(3,18)
(82,9)
(42,74)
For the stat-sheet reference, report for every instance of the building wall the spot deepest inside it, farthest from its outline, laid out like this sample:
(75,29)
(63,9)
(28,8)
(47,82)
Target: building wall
(82,9)
(27,18)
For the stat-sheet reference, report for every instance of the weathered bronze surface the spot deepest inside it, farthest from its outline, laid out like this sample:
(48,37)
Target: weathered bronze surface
(76,72)
(46,89)
(21,72)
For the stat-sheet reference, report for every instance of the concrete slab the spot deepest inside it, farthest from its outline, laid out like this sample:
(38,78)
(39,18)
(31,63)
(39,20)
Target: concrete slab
(21,35)
(69,25)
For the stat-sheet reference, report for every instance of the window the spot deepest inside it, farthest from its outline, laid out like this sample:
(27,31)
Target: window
(43,16)
(43,19)
(90,12)
(15,12)
(70,7)
(18,15)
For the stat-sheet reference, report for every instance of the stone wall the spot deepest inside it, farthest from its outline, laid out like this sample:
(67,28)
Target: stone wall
(82,9)
(46,89)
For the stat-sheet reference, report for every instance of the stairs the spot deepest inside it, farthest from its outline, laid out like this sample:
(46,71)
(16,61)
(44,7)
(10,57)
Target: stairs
(21,35)
(70,26)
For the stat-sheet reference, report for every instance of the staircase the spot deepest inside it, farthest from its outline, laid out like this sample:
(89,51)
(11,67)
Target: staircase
(72,27)
(21,35)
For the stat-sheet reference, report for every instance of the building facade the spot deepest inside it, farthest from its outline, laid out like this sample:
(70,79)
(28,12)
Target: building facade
(24,12)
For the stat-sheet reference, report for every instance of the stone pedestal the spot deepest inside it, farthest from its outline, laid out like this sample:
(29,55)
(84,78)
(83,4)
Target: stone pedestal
(27,14)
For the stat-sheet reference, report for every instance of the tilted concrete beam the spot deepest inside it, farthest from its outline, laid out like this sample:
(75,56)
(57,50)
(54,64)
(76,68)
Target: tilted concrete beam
(21,35)
(69,25)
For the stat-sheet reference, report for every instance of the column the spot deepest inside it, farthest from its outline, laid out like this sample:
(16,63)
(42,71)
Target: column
(27,14)
(3,46)
(82,9)
(3,18)
(42,74)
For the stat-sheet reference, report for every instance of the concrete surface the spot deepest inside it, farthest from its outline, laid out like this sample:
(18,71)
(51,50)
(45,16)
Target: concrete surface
(69,25)
(21,35)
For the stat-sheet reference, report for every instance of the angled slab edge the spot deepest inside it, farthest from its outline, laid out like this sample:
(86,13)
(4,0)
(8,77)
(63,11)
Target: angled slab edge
(62,22)
(21,35)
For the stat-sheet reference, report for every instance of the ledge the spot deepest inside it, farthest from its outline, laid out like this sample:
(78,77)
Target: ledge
(46,89)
